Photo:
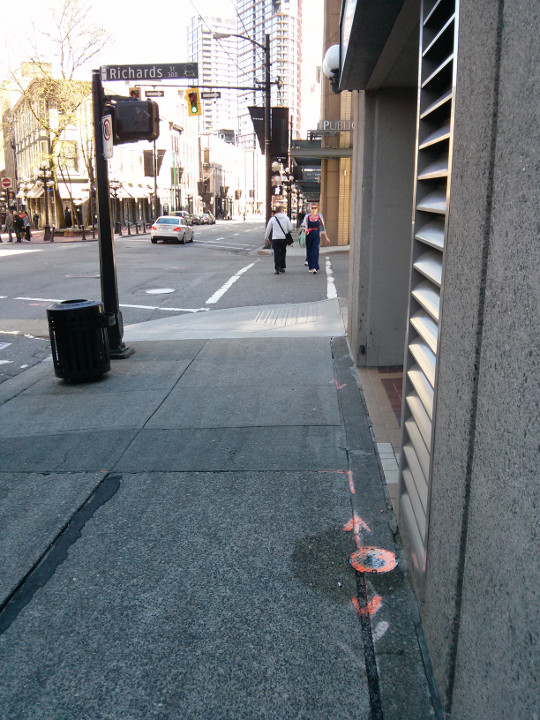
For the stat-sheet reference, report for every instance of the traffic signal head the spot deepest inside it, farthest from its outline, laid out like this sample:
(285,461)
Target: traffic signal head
(194,101)
(134,121)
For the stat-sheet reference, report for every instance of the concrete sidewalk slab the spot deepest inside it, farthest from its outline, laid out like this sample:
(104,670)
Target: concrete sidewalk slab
(192,559)
(197,596)
(317,319)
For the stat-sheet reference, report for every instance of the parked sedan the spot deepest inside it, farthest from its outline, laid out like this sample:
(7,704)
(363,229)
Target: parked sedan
(196,220)
(184,214)
(168,227)
(208,219)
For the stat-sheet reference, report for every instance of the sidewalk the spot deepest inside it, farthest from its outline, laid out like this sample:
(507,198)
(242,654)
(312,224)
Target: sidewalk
(177,534)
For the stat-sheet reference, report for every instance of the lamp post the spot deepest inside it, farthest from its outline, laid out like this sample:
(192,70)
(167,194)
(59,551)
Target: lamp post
(114,187)
(267,110)
(45,178)
(288,182)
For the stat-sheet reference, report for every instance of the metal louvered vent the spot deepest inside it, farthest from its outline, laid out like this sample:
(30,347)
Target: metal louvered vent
(438,38)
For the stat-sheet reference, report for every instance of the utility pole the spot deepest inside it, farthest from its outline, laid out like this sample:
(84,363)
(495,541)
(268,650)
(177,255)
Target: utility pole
(267,128)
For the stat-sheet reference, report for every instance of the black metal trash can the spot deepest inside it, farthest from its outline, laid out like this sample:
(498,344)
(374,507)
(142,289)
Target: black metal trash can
(79,339)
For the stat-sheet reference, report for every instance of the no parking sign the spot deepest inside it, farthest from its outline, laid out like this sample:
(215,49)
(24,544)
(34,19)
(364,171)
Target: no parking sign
(106,129)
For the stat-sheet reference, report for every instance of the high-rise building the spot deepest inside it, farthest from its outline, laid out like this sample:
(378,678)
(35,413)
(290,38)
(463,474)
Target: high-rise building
(281,19)
(217,60)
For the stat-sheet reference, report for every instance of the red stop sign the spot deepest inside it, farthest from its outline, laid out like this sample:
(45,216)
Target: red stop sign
(6,182)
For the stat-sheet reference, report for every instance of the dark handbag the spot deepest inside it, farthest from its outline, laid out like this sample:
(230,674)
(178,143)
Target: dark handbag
(288,237)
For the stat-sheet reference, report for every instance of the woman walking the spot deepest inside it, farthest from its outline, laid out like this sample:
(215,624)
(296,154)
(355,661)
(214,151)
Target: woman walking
(313,223)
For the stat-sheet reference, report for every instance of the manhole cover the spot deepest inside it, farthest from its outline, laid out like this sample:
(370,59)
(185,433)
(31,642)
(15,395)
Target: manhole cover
(373,560)
(160,291)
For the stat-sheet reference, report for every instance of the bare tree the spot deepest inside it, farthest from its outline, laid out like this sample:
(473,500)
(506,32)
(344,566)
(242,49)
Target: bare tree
(73,39)
(54,97)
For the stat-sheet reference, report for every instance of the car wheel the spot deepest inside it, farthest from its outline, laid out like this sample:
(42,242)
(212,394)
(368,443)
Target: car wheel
(153,240)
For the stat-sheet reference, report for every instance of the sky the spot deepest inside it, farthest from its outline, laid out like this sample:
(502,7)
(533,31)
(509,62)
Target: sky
(155,32)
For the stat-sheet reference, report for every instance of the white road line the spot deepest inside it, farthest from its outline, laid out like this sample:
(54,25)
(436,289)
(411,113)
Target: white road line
(331,291)
(223,289)
(125,305)
(218,242)
(227,247)
(165,309)
(18,251)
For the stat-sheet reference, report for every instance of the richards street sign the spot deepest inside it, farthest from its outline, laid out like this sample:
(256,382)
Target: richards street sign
(149,72)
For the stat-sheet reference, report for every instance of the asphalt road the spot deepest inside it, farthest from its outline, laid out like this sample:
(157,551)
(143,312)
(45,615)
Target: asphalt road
(222,268)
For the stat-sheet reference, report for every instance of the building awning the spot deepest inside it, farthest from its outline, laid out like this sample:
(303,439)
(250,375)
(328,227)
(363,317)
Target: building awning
(133,192)
(77,191)
(35,192)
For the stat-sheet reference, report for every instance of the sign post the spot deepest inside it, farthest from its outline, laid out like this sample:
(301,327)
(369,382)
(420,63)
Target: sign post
(109,287)
(104,133)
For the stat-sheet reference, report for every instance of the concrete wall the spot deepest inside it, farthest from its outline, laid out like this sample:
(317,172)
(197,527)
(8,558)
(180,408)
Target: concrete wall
(479,597)
(381,225)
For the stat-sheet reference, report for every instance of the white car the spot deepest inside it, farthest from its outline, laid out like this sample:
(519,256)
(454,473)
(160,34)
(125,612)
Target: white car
(169,227)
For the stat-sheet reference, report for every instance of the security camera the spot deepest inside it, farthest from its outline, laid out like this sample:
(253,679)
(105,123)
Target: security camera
(330,67)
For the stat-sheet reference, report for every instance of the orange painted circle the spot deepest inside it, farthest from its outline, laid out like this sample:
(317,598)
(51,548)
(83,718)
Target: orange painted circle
(373,560)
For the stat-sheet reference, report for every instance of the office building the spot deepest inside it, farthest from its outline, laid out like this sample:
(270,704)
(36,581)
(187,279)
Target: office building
(217,60)
(281,19)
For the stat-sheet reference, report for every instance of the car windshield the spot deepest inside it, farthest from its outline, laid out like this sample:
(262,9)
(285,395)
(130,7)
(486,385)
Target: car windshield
(167,221)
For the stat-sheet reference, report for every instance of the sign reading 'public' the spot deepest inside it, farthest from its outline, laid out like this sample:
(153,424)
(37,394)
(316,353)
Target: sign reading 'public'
(149,72)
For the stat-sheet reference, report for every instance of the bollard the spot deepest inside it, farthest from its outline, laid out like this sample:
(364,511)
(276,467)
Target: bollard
(118,228)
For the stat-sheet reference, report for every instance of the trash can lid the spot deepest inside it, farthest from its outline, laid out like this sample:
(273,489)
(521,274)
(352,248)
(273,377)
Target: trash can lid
(74,304)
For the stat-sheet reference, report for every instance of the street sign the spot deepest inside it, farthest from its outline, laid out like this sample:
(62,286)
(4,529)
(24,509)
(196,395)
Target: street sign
(149,72)
(154,93)
(106,127)
(6,182)
(210,95)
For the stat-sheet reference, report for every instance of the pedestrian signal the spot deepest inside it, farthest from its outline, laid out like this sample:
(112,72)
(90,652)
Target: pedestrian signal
(194,101)
(134,121)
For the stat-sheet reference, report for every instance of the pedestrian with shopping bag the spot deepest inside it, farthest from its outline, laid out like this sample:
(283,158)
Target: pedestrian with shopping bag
(279,229)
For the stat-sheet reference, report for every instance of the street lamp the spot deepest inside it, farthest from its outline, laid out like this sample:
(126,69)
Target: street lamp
(45,179)
(114,187)
(288,182)
(267,100)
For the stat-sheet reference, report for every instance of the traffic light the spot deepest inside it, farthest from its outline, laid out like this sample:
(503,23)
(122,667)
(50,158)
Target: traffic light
(194,101)
(135,93)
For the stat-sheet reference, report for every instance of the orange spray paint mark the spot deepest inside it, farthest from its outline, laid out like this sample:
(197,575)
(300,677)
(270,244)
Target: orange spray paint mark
(349,475)
(355,523)
(338,387)
(373,560)
(371,608)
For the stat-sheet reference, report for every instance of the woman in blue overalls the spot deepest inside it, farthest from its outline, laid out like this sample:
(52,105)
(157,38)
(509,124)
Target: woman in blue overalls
(314,226)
